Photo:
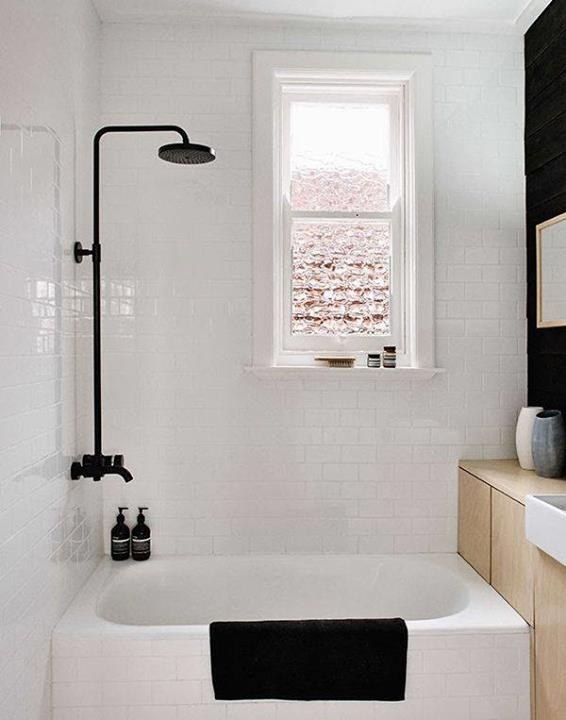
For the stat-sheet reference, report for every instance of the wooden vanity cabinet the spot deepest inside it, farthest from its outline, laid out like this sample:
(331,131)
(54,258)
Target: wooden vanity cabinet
(491,523)
(491,537)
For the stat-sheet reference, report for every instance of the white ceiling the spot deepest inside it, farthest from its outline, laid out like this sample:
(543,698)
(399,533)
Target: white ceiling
(502,13)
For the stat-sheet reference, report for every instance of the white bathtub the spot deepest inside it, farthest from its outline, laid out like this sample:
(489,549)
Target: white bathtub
(135,641)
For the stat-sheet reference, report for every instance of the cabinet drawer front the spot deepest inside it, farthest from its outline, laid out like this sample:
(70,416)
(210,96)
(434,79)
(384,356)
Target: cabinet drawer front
(474,523)
(511,555)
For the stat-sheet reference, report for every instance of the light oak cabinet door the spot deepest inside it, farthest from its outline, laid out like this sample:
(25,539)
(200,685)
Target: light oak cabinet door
(512,556)
(474,523)
(550,638)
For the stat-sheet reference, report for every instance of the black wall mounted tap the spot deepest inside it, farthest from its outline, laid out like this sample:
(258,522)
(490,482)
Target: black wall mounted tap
(97,466)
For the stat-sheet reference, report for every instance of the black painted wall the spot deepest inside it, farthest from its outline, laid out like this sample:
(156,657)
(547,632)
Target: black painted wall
(545,162)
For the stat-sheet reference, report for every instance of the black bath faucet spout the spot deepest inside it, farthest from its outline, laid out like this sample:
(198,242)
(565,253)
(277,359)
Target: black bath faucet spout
(123,472)
(97,466)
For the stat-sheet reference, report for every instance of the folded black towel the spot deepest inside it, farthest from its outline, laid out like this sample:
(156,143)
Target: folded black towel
(309,659)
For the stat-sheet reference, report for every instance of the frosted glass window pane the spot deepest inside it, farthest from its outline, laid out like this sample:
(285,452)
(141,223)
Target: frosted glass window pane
(341,278)
(339,157)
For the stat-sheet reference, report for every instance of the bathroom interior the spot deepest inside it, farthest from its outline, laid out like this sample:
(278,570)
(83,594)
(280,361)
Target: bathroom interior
(283,360)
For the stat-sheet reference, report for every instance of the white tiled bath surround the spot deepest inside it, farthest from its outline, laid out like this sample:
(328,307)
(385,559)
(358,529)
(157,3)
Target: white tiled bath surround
(50,537)
(229,463)
(450,677)
(114,657)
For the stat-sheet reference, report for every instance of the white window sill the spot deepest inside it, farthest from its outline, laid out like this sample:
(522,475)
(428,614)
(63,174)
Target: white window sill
(310,372)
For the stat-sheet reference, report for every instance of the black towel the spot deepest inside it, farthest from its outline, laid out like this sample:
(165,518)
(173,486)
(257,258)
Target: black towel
(309,659)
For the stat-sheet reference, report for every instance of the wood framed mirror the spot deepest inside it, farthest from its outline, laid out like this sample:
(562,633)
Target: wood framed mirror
(551,272)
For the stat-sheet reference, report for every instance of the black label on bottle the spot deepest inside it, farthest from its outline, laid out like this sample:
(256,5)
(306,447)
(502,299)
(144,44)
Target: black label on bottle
(140,546)
(120,548)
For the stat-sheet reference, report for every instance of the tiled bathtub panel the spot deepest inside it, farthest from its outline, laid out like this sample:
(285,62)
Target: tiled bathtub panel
(450,677)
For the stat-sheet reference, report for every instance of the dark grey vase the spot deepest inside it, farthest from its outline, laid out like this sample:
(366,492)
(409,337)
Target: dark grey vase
(549,444)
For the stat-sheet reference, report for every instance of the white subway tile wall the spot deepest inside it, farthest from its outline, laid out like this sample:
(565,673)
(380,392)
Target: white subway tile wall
(231,464)
(450,677)
(50,538)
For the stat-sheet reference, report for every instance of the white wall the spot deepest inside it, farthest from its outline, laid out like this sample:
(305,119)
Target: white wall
(229,463)
(50,534)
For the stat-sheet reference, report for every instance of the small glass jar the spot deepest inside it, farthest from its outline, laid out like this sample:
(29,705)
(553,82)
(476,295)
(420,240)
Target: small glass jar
(374,360)
(389,356)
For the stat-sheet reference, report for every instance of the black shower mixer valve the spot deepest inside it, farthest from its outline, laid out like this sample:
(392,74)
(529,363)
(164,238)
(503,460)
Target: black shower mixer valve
(97,466)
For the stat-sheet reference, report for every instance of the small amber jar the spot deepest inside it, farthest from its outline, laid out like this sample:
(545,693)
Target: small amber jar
(374,360)
(389,356)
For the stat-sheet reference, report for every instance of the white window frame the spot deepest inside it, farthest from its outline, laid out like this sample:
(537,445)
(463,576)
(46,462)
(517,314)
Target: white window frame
(407,77)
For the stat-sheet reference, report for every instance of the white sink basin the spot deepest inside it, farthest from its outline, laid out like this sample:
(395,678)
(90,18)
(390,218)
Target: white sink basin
(545,521)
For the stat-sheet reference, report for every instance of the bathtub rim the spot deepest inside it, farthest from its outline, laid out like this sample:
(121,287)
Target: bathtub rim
(486,613)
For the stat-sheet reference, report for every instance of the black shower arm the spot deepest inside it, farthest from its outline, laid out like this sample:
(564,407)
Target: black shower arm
(139,128)
(80,252)
(96,164)
(97,465)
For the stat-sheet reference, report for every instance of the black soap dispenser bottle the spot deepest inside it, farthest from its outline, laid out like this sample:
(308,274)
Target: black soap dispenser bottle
(141,538)
(120,538)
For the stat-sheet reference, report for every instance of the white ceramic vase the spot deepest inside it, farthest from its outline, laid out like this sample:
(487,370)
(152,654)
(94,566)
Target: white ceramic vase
(524,436)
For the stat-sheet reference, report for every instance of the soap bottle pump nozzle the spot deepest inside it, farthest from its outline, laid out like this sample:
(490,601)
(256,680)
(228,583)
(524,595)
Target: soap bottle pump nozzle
(141,516)
(121,517)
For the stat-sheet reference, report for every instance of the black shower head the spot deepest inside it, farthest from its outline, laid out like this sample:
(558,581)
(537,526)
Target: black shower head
(188,153)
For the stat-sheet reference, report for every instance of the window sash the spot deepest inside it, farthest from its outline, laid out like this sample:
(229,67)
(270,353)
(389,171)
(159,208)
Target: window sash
(292,347)
(292,344)
(371,94)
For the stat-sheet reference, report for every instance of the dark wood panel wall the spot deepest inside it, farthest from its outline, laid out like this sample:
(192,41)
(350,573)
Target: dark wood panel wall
(545,164)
